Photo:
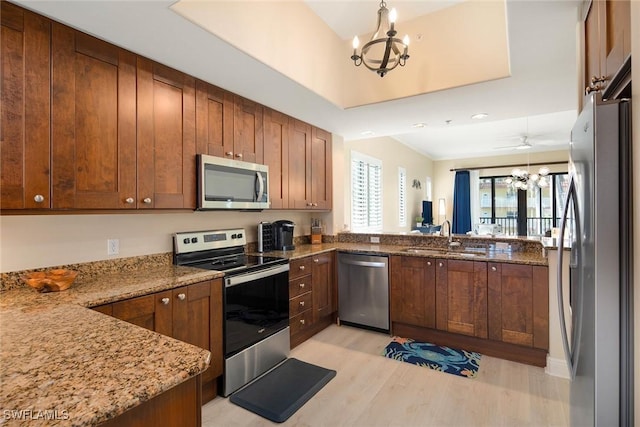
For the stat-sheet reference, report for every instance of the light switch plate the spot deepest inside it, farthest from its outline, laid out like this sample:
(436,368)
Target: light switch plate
(375,239)
(113,246)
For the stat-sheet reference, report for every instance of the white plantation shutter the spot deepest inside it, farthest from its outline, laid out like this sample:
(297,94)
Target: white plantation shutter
(402,197)
(366,193)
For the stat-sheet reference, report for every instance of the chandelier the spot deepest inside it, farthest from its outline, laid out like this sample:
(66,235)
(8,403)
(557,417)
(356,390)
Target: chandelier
(521,179)
(384,51)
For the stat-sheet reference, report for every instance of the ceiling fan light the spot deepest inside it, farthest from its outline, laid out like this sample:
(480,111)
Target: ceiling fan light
(544,171)
(534,177)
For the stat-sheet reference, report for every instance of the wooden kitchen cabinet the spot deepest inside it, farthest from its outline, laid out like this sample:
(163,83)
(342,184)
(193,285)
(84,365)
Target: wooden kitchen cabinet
(518,304)
(322,276)
(461,297)
(276,156)
(192,314)
(248,131)
(166,137)
(321,169)
(25,60)
(413,291)
(93,124)
(607,44)
(214,120)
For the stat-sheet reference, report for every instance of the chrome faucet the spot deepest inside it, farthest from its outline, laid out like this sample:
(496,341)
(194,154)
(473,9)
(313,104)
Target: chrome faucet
(450,234)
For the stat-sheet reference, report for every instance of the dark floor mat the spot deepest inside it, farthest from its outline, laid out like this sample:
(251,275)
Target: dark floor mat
(280,393)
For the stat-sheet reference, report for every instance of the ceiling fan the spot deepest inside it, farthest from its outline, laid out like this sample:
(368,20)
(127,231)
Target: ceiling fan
(526,143)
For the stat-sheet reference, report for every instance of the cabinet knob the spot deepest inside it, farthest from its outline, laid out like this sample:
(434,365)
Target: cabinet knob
(302,267)
(593,88)
(309,204)
(316,260)
(39,198)
(229,153)
(494,268)
(147,200)
(165,301)
(239,155)
(301,303)
(302,321)
(596,79)
(440,264)
(315,205)
(129,200)
(301,285)
(181,297)
(428,262)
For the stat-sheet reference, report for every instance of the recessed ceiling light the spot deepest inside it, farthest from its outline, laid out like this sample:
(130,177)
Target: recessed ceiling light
(367,133)
(418,125)
(479,116)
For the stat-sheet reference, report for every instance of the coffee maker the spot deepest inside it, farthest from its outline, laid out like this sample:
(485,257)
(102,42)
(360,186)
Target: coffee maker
(275,236)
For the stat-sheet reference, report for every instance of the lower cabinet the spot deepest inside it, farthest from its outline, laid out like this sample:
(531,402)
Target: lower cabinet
(498,309)
(311,296)
(192,314)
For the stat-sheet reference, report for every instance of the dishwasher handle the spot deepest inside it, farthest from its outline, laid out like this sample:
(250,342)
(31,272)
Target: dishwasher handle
(363,263)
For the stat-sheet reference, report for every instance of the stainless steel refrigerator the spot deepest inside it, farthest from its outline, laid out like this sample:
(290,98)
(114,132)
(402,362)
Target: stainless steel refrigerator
(598,341)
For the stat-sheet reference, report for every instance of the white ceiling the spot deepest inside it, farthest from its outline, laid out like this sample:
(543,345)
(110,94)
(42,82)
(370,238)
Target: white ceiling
(539,99)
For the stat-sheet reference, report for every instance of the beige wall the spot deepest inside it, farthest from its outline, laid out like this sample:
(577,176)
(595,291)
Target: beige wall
(444,178)
(393,155)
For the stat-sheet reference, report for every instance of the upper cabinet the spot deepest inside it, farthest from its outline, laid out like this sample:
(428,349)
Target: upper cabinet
(248,132)
(214,120)
(166,137)
(607,44)
(321,171)
(24,131)
(276,156)
(93,123)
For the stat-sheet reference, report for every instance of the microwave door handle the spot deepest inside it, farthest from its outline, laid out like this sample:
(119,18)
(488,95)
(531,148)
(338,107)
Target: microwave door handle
(260,182)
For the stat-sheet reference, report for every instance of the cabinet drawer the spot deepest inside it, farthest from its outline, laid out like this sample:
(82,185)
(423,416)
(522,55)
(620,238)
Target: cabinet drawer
(299,304)
(299,286)
(301,322)
(299,267)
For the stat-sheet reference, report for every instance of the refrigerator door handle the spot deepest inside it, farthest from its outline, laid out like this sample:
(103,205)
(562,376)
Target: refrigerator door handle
(571,354)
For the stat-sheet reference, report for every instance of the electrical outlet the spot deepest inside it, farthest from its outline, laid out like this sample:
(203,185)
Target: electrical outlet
(375,239)
(113,247)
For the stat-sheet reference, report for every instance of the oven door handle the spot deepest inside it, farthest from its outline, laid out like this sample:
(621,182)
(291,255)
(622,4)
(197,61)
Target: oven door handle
(254,275)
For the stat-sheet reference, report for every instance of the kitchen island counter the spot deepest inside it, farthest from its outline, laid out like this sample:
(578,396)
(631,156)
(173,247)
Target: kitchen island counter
(64,363)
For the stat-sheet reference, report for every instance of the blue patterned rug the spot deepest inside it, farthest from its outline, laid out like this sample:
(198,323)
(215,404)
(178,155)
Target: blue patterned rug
(445,359)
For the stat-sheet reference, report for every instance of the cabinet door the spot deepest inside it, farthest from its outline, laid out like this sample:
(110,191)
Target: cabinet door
(145,311)
(322,276)
(299,165)
(321,169)
(248,132)
(197,320)
(461,297)
(617,46)
(166,137)
(93,123)
(214,120)
(518,304)
(276,156)
(26,109)
(413,291)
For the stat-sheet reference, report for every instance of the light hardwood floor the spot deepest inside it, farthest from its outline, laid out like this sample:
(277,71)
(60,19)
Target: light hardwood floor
(371,390)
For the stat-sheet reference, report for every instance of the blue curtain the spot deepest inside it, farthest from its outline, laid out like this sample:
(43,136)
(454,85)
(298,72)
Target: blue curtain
(461,203)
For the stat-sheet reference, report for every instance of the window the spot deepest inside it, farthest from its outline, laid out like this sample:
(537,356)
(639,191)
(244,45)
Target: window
(366,193)
(427,188)
(498,203)
(402,197)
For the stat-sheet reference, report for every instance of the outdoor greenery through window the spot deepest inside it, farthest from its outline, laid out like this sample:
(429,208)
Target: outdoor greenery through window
(498,204)
(366,193)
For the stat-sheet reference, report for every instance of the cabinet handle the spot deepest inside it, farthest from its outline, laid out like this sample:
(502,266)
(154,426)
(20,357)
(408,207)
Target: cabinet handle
(493,269)
(301,285)
(181,297)
(309,204)
(301,303)
(302,267)
(315,205)
(165,301)
(130,200)
(229,153)
(302,321)
(147,200)
(428,262)
(316,260)
(440,264)
(39,198)
(239,155)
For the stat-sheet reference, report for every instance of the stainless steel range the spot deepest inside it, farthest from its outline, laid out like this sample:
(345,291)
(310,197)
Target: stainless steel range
(255,301)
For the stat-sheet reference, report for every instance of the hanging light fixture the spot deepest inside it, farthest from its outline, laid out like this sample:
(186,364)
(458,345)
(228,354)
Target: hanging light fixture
(521,179)
(384,51)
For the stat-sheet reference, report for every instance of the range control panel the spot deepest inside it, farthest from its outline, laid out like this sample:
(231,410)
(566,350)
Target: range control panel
(193,241)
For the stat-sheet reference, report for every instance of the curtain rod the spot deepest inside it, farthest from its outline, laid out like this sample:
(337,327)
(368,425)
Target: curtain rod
(506,166)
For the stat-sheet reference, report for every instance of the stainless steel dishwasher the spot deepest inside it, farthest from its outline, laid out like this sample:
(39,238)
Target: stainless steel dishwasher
(363,290)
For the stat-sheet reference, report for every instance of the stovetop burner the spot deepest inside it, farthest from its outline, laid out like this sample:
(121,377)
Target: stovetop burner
(221,250)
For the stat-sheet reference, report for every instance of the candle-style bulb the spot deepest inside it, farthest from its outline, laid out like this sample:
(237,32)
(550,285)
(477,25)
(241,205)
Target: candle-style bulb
(356,42)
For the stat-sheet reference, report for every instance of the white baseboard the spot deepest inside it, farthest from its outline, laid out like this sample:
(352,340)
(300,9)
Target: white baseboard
(557,367)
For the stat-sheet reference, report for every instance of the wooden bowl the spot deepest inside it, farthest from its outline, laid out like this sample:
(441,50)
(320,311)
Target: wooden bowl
(50,281)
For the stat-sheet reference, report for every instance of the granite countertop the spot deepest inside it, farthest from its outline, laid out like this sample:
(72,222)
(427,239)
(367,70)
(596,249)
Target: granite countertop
(59,358)
(301,251)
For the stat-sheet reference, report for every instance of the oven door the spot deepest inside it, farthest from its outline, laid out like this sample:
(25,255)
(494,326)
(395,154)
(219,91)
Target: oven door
(256,306)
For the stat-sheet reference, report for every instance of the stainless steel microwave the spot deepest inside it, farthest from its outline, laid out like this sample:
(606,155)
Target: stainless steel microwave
(231,184)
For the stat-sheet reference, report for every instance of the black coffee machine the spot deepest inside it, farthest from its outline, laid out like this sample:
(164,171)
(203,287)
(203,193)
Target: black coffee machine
(275,236)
